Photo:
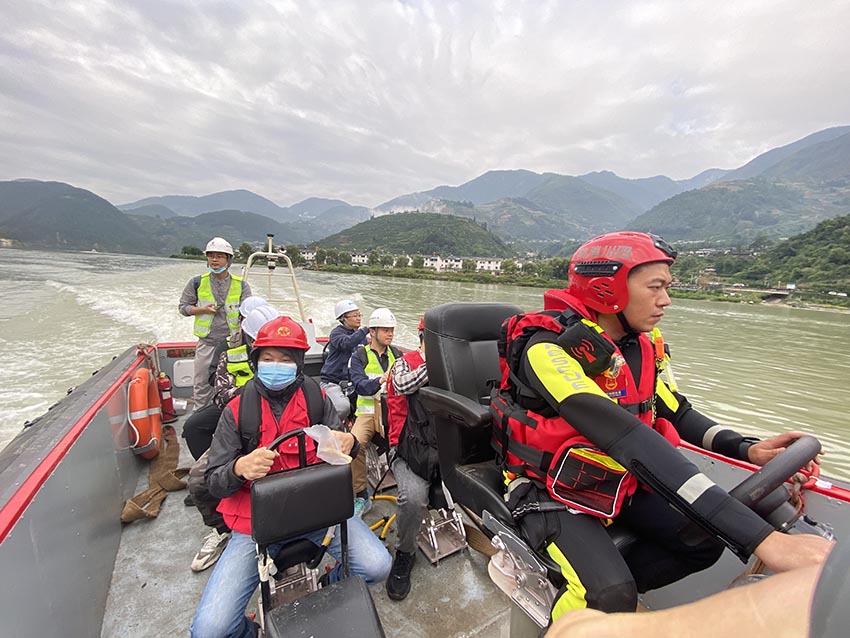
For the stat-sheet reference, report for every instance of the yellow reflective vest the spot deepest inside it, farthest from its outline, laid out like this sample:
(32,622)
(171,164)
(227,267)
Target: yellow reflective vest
(203,321)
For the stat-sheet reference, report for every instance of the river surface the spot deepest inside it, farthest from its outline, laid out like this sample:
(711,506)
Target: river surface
(756,368)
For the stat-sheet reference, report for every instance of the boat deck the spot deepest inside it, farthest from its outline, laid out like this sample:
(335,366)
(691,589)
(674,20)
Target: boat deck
(154,593)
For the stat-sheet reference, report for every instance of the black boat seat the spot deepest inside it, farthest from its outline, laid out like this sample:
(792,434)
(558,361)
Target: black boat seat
(295,502)
(295,553)
(339,609)
(463,361)
(484,485)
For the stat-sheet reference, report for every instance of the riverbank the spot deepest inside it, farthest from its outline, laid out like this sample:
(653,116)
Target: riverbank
(511,279)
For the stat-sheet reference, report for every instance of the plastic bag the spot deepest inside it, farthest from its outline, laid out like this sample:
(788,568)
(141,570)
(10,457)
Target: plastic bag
(327,447)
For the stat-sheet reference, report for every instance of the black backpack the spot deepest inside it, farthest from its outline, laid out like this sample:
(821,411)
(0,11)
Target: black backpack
(250,411)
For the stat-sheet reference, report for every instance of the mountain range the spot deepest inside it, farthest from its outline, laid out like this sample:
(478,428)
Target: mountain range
(784,191)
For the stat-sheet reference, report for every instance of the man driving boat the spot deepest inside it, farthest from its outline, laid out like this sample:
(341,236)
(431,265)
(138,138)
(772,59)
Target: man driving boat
(587,418)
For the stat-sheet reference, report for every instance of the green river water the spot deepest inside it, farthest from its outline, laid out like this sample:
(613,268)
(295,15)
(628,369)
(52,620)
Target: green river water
(757,368)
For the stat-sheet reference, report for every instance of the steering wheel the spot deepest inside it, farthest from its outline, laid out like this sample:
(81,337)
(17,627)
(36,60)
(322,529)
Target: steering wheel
(763,491)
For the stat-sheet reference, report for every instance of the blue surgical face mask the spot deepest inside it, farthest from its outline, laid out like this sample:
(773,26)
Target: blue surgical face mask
(276,375)
(216,271)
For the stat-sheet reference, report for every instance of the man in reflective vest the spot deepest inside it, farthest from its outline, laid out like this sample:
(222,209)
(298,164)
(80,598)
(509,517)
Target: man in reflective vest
(369,368)
(585,423)
(415,464)
(213,299)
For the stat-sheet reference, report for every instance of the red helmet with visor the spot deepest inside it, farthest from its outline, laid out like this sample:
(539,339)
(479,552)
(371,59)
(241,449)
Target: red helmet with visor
(599,269)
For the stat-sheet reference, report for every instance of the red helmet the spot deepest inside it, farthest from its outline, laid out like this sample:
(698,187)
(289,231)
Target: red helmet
(283,332)
(599,269)
(421,323)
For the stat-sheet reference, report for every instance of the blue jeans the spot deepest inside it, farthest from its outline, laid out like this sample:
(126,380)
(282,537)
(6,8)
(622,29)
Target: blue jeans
(221,612)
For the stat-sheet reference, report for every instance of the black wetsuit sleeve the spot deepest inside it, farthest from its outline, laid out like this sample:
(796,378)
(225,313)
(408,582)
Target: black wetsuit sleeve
(558,378)
(698,429)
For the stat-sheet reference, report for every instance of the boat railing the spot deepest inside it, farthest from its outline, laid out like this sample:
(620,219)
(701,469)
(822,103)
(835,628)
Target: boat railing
(273,258)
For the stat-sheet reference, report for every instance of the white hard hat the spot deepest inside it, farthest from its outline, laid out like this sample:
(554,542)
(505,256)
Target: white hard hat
(250,303)
(219,245)
(257,318)
(382,318)
(344,306)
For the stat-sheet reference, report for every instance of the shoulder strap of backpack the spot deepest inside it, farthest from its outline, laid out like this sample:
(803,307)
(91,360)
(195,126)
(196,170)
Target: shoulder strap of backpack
(315,400)
(361,354)
(250,415)
(196,281)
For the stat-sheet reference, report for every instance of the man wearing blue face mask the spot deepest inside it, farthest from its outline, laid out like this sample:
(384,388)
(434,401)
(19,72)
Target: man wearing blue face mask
(278,400)
(213,299)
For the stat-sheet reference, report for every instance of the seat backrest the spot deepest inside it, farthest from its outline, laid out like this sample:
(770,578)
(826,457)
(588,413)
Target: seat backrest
(460,346)
(462,357)
(294,502)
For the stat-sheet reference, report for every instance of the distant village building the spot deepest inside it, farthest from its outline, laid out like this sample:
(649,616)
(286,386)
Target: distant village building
(308,255)
(453,263)
(488,265)
(433,262)
(359,259)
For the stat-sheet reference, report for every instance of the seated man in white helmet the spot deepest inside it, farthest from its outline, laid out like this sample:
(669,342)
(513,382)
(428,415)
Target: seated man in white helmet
(213,299)
(369,368)
(342,341)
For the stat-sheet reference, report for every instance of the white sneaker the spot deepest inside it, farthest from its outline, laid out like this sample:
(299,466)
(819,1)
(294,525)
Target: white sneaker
(213,546)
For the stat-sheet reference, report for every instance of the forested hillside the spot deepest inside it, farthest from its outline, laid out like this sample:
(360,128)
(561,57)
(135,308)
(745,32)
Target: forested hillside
(419,234)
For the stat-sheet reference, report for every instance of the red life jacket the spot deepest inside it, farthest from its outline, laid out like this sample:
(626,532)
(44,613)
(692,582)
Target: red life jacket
(409,431)
(236,509)
(397,407)
(547,448)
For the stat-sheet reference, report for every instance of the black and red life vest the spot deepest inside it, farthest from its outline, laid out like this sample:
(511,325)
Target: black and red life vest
(236,509)
(547,448)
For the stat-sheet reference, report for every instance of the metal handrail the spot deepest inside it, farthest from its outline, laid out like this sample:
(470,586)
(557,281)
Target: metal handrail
(272,257)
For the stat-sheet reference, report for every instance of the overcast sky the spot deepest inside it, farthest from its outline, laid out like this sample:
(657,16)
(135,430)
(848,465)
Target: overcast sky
(365,100)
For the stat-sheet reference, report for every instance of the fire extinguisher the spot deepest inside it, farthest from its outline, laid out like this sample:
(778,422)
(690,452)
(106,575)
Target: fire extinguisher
(164,385)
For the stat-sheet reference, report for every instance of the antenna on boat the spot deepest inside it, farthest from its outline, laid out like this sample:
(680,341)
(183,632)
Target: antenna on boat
(272,257)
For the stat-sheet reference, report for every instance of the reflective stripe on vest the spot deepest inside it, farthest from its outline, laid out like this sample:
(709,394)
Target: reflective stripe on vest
(203,321)
(237,365)
(373,370)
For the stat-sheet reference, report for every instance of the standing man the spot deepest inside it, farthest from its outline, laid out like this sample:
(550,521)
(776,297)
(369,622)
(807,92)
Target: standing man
(342,341)
(213,300)
(369,367)
(415,464)
(586,422)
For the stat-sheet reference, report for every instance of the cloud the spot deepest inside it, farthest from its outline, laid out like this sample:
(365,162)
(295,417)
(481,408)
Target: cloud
(365,101)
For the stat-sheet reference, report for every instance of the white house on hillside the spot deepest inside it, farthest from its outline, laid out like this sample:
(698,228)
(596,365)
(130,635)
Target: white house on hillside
(488,265)
(359,259)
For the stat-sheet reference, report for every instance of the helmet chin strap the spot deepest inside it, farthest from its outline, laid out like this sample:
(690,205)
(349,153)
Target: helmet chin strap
(625,323)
